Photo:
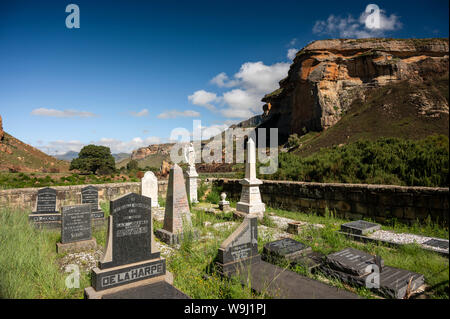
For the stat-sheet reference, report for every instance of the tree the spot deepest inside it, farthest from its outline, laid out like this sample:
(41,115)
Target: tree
(94,159)
(132,165)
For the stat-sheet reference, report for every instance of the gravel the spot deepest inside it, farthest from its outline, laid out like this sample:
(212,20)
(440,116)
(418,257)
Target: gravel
(405,238)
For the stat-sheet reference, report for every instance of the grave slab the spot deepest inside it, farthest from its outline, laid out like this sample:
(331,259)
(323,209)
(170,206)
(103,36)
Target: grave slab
(351,261)
(286,248)
(238,256)
(393,282)
(158,290)
(360,227)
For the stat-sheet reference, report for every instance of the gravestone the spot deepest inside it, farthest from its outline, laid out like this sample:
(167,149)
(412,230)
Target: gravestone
(357,268)
(76,229)
(191,174)
(352,261)
(131,258)
(149,187)
(285,248)
(250,202)
(238,257)
(89,195)
(240,248)
(360,227)
(438,243)
(45,213)
(177,216)
(292,251)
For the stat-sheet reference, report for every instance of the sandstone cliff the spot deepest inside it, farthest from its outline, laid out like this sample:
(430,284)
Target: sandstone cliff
(328,75)
(143,152)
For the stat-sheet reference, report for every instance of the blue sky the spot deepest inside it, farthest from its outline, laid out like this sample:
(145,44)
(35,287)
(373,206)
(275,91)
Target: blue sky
(135,70)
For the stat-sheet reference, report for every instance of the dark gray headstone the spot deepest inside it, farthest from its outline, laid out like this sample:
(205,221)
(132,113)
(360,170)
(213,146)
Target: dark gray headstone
(76,223)
(46,201)
(241,244)
(352,261)
(287,248)
(89,195)
(438,243)
(360,227)
(131,231)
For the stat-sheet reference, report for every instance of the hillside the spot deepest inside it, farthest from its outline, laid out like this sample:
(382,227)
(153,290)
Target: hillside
(18,156)
(328,76)
(405,110)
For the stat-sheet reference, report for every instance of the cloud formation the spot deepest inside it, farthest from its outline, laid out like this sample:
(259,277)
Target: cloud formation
(250,84)
(141,113)
(174,113)
(291,53)
(362,27)
(58,113)
(203,98)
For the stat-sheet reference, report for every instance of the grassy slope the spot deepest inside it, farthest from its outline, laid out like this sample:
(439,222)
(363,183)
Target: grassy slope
(31,159)
(370,119)
(154,160)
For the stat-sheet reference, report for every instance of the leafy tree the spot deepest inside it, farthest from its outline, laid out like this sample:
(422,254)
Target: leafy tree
(132,165)
(94,159)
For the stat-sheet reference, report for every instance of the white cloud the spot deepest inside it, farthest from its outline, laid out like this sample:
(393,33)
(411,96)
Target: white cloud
(291,53)
(253,81)
(222,80)
(293,42)
(174,113)
(350,27)
(141,113)
(60,147)
(203,98)
(57,113)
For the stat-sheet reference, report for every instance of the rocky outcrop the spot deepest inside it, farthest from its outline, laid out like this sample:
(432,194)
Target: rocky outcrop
(1,129)
(143,152)
(328,75)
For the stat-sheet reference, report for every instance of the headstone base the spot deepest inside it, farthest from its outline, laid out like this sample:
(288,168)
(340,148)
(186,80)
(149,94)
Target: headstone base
(233,267)
(157,290)
(91,293)
(173,239)
(295,228)
(258,208)
(48,221)
(76,246)
(239,215)
(224,206)
(360,227)
(282,283)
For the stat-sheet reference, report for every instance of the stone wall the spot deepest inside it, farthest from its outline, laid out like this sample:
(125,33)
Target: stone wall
(70,195)
(352,201)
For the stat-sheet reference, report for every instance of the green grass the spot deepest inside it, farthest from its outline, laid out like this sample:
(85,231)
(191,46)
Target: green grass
(29,263)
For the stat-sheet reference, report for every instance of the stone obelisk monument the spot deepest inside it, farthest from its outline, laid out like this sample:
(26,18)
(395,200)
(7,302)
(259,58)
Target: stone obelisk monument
(177,215)
(191,174)
(250,203)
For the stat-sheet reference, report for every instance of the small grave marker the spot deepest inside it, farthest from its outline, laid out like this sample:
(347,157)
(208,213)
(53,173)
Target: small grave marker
(76,229)
(360,227)
(45,214)
(89,195)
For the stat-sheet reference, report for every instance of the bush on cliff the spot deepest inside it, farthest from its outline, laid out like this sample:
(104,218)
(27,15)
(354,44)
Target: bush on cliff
(386,161)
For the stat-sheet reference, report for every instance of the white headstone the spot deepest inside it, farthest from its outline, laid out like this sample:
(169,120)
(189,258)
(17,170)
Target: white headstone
(149,187)
(250,202)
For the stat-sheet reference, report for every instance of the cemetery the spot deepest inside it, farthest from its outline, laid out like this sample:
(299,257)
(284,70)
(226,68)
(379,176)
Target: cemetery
(142,244)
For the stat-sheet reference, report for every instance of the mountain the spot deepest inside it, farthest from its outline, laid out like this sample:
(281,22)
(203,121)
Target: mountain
(329,77)
(70,155)
(17,156)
